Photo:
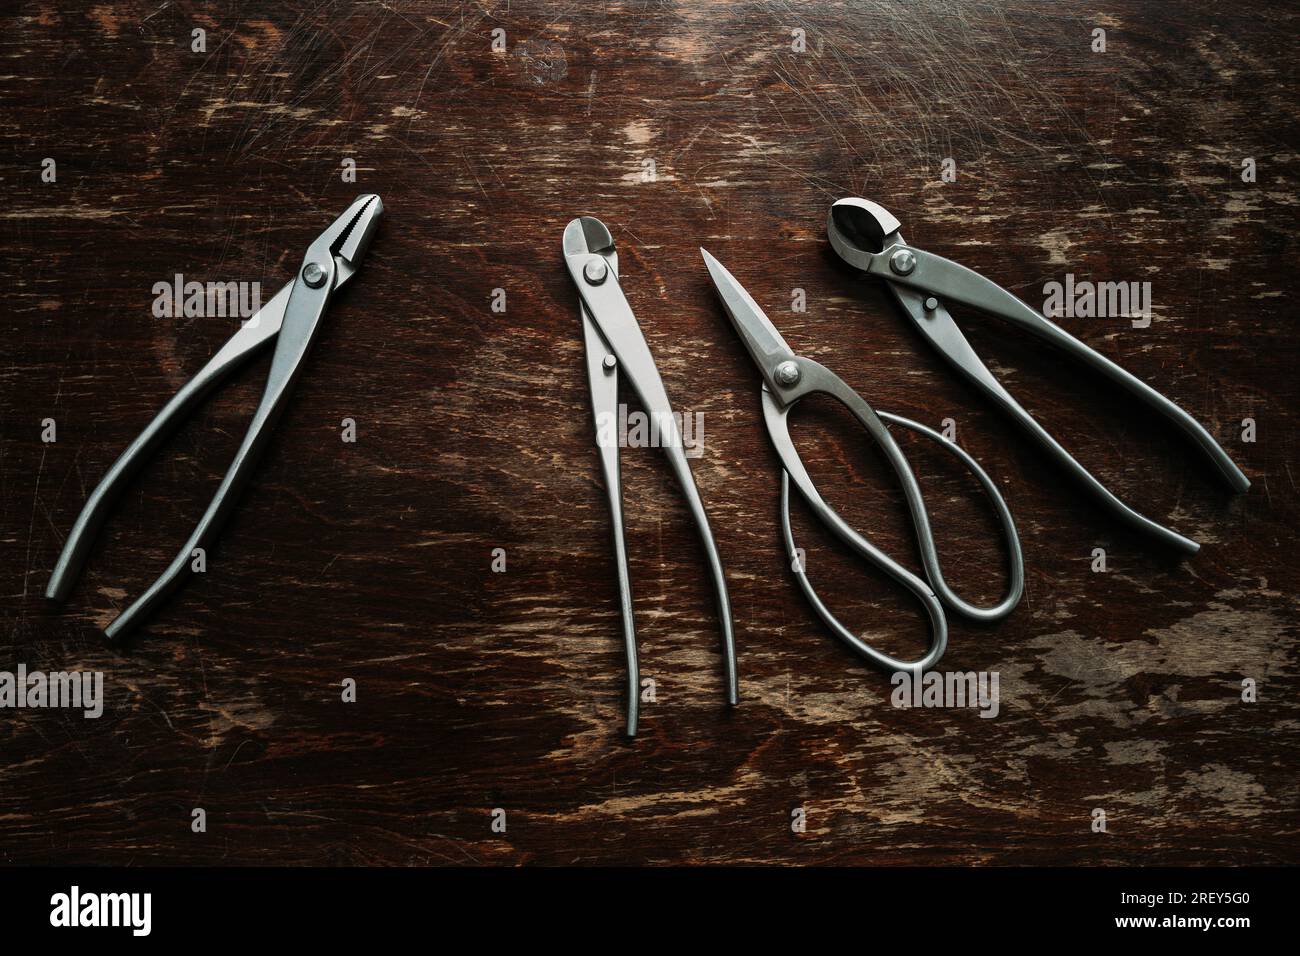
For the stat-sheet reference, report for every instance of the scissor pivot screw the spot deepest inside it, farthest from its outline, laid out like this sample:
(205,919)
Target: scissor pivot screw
(595,271)
(787,373)
(609,363)
(903,261)
(931,303)
(313,275)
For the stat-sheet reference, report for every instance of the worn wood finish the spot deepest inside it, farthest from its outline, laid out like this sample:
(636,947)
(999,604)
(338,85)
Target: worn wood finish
(371,560)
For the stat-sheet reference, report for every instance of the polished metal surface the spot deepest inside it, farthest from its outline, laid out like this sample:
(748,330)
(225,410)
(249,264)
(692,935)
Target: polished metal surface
(804,377)
(867,237)
(291,319)
(614,342)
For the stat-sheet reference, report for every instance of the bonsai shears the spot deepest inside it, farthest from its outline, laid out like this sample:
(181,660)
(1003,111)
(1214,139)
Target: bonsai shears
(787,378)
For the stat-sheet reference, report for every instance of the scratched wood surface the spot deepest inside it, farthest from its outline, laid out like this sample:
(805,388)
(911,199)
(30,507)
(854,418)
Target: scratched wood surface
(372,560)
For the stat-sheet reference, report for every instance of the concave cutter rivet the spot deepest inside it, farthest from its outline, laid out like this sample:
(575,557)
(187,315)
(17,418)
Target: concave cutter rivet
(903,261)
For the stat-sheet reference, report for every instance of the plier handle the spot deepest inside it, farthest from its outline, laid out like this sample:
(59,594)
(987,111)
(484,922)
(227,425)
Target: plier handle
(291,319)
(868,237)
(614,341)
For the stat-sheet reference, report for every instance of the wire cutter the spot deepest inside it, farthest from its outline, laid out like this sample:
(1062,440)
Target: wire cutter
(787,378)
(867,237)
(613,340)
(291,319)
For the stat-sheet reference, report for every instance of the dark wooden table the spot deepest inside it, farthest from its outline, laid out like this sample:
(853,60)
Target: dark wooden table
(372,561)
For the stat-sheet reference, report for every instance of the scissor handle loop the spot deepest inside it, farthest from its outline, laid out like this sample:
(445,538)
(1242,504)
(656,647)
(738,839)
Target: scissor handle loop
(815,378)
(922,591)
(926,542)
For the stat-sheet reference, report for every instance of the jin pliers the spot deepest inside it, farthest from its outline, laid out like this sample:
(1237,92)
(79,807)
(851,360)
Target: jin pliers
(291,319)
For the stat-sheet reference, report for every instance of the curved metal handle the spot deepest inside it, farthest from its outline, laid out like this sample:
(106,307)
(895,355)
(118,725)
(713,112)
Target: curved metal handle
(682,469)
(925,537)
(938,326)
(251,338)
(612,315)
(813,377)
(301,322)
(938,622)
(602,381)
(960,284)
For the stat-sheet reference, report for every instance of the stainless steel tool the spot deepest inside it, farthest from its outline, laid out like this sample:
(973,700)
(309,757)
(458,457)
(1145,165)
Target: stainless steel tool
(291,319)
(614,342)
(787,378)
(867,237)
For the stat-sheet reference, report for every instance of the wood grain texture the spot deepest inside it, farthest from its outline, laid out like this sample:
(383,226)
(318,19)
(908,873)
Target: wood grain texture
(371,560)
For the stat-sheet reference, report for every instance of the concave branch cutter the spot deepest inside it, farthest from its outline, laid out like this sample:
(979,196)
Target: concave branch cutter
(291,319)
(787,378)
(614,341)
(867,237)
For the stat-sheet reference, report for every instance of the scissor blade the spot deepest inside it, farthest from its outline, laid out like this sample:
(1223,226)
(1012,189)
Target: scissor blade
(764,342)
